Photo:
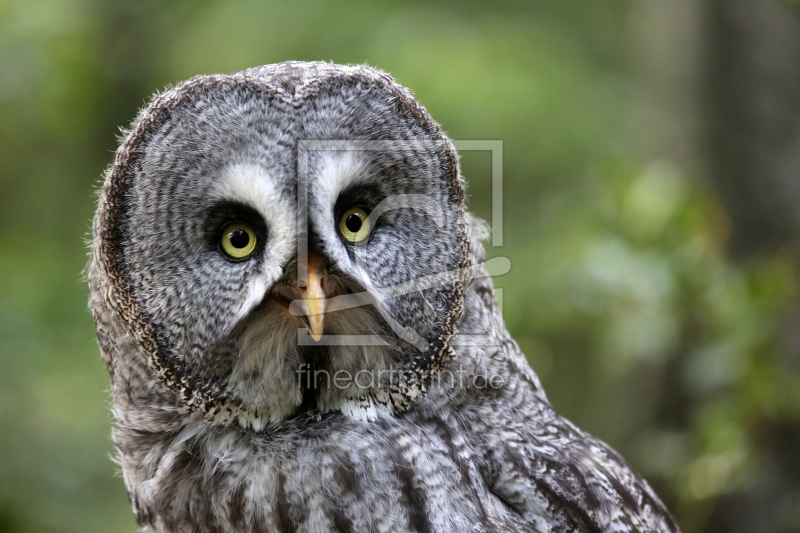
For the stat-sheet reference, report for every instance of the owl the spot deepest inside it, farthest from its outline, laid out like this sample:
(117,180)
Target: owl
(301,332)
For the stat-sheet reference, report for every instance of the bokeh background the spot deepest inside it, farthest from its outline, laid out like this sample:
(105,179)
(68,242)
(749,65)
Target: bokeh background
(652,190)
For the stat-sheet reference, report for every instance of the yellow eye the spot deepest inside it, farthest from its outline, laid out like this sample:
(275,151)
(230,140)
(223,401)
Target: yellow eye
(354,225)
(238,241)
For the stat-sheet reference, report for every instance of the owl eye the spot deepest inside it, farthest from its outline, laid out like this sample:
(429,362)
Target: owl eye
(354,225)
(238,241)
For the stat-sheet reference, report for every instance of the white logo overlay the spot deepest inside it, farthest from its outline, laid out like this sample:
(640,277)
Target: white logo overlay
(375,296)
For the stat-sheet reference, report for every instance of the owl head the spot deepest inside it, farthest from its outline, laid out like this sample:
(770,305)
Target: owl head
(289,239)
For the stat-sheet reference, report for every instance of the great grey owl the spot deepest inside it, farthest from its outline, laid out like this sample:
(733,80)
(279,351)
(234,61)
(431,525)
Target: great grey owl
(295,311)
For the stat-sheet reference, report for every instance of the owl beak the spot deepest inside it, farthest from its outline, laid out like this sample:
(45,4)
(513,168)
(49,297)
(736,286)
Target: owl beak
(311,308)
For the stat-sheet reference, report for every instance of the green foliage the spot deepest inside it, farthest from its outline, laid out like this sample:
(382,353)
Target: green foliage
(620,292)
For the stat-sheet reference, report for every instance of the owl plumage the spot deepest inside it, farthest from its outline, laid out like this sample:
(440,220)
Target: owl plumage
(225,244)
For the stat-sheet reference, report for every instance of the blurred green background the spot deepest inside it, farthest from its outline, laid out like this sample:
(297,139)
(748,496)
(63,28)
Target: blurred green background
(652,186)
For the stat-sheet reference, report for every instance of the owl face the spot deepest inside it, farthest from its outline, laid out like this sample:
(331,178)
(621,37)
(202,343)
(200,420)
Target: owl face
(288,240)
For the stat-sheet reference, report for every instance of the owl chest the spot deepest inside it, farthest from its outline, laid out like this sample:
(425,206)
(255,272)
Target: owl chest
(353,481)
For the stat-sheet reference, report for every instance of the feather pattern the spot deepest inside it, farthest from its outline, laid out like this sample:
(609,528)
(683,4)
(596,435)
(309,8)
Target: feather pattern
(223,423)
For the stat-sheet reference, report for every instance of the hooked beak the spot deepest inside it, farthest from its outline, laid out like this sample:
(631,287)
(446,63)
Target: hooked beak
(311,308)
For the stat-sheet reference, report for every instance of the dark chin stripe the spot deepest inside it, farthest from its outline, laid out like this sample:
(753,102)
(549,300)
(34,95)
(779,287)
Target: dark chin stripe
(205,395)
